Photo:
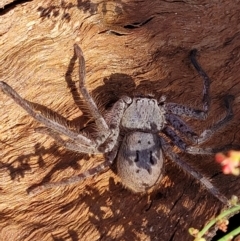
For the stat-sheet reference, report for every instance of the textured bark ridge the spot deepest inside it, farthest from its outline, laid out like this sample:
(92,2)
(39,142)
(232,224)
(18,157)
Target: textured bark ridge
(129,47)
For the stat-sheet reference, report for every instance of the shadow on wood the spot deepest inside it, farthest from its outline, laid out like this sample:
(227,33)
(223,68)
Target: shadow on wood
(129,47)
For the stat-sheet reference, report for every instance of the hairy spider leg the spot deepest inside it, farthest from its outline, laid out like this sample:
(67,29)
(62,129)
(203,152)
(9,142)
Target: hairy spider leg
(109,158)
(26,105)
(68,144)
(183,165)
(206,81)
(102,126)
(205,135)
(191,149)
(182,110)
(110,148)
(181,126)
(113,118)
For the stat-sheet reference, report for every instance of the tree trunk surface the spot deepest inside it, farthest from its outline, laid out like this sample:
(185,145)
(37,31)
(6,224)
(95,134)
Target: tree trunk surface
(130,47)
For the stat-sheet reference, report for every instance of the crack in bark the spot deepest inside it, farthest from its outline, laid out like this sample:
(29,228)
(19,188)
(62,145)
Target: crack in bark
(6,8)
(138,25)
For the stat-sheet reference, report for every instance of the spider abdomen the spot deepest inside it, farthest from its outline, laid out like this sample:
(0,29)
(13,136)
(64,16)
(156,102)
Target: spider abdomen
(140,161)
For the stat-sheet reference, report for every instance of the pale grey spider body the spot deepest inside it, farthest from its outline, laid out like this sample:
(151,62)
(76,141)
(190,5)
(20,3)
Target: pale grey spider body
(140,153)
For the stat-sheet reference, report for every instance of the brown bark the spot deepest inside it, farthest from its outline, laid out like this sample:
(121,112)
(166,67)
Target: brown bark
(149,53)
(5,3)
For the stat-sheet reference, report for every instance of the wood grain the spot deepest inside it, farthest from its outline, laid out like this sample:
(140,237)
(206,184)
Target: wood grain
(129,47)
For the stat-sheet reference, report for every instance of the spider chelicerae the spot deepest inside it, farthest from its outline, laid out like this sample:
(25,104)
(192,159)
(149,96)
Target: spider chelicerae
(139,154)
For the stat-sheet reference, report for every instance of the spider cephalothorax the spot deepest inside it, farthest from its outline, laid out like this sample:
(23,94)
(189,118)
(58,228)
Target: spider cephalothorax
(140,120)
